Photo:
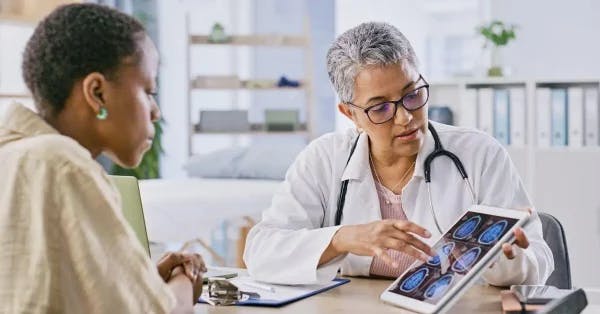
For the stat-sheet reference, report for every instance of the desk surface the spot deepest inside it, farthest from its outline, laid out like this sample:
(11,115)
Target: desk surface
(362,296)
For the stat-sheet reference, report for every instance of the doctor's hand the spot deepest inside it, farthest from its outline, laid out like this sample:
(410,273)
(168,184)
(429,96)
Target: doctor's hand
(520,241)
(375,238)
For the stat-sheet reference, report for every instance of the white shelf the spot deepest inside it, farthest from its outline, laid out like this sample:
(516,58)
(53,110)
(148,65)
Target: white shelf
(512,80)
(20,19)
(567,149)
(29,12)
(299,132)
(217,83)
(253,40)
(199,83)
(568,81)
(21,96)
(254,129)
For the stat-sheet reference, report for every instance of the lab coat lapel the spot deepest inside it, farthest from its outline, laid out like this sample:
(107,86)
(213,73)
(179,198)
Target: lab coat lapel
(362,203)
(414,194)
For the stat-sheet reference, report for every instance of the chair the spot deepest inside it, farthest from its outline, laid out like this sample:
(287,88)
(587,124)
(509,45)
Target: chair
(132,207)
(554,235)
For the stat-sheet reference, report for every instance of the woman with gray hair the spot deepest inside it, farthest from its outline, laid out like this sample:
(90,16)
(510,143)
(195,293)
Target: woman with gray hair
(358,200)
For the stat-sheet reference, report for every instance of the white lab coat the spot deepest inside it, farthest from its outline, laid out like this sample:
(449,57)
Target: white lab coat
(285,247)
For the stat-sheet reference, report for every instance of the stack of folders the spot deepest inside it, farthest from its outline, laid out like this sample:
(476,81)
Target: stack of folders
(500,112)
(567,116)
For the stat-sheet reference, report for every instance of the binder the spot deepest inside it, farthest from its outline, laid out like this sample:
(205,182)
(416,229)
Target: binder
(501,116)
(486,110)
(559,119)
(575,116)
(469,112)
(591,125)
(542,103)
(518,116)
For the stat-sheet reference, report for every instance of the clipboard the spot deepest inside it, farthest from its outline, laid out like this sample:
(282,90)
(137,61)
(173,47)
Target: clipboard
(282,295)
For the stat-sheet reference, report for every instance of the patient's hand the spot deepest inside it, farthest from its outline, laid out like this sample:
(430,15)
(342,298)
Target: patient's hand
(192,263)
(196,282)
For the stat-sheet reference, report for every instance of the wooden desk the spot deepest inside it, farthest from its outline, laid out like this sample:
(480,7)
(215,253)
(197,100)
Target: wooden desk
(362,296)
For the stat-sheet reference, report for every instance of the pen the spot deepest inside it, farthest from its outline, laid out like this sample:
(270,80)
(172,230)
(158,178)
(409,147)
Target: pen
(260,286)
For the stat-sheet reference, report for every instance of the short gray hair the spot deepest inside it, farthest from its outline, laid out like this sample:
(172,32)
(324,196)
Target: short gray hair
(366,44)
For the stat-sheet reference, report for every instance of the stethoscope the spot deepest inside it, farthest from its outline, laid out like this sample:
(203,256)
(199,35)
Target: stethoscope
(437,151)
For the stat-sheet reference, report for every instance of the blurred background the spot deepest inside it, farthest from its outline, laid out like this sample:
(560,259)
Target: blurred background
(243,88)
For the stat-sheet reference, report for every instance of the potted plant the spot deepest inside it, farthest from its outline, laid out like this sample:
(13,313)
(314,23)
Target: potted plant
(499,35)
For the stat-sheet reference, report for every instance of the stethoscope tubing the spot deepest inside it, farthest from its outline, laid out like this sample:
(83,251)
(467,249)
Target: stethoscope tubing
(437,152)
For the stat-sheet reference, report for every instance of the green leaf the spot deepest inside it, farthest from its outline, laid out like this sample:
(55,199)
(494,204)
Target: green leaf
(497,32)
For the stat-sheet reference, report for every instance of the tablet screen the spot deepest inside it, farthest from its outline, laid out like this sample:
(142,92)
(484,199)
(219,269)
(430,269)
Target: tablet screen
(459,250)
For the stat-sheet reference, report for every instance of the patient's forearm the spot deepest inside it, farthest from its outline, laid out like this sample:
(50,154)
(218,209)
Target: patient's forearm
(181,286)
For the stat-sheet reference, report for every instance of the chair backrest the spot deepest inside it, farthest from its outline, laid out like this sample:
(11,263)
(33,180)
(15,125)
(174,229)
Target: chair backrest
(132,207)
(573,303)
(554,235)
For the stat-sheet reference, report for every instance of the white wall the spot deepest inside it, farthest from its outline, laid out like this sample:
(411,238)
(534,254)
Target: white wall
(442,33)
(13,37)
(556,39)
(408,16)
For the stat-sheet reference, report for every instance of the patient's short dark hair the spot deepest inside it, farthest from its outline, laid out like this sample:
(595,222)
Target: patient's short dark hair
(72,42)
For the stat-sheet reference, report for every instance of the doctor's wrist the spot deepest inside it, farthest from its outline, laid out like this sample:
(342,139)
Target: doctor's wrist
(334,249)
(338,244)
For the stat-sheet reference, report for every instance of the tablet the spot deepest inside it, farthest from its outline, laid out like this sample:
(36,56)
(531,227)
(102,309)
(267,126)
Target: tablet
(464,252)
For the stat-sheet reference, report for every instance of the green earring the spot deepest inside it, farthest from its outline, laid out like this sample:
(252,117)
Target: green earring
(102,114)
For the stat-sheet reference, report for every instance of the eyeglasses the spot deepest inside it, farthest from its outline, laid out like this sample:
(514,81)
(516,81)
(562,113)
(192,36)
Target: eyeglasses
(385,111)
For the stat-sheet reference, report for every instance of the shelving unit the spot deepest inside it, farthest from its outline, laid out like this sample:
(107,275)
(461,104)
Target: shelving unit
(452,93)
(28,11)
(253,40)
(561,180)
(216,82)
(9,17)
(24,13)
(231,83)
(15,96)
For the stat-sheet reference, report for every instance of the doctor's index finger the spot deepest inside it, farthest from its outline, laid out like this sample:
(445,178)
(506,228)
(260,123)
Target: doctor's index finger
(408,226)
(414,241)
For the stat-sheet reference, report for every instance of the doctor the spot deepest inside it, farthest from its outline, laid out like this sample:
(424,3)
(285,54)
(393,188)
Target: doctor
(386,221)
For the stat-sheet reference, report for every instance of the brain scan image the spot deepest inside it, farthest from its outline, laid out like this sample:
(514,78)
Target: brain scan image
(466,260)
(439,286)
(493,232)
(445,250)
(467,228)
(415,280)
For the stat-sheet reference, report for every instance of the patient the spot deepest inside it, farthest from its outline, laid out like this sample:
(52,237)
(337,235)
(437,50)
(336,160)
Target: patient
(65,246)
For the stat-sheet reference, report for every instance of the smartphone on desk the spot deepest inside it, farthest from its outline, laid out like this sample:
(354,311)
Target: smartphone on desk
(534,294)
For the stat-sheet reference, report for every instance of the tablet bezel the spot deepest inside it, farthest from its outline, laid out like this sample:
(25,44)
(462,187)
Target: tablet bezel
(462,286)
